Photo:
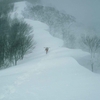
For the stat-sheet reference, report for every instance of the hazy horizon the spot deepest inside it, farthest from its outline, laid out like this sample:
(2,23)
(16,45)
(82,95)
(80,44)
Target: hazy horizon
(85,11)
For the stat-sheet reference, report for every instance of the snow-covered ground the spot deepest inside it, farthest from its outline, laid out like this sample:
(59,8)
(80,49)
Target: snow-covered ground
(53,76)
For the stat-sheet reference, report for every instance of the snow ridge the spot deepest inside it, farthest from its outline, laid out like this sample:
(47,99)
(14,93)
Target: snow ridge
(53,76)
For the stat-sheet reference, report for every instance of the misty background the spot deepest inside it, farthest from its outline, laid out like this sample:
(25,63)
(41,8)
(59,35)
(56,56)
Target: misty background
(86,12)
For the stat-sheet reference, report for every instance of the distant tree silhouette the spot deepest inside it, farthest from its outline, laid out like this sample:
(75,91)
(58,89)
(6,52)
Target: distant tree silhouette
(93,44)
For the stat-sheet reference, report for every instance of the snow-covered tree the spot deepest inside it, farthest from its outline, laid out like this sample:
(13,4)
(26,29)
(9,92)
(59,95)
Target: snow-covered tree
(93,44)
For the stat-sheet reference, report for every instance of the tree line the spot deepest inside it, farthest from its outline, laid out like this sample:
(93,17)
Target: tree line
(15,37)
(58,22)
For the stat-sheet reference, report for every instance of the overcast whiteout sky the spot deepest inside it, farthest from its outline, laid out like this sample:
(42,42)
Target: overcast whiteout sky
(85,11)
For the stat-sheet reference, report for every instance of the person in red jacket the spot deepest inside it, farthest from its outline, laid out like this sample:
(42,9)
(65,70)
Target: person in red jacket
(46,49)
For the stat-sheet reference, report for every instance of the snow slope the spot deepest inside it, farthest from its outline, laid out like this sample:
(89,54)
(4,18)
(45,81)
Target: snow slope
(55,76)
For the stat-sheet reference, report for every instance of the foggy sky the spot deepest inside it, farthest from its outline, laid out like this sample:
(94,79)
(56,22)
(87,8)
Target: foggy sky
(85,11)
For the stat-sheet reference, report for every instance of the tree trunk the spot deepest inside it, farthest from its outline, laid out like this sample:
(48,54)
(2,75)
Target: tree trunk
(15,59)
(92,67)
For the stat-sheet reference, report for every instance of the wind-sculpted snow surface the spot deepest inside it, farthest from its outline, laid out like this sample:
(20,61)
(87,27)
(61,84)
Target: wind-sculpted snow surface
(53,76)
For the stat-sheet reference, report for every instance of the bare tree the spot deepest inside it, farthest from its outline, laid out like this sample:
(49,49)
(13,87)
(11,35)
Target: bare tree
(15,36)
(20,40)
(93,44)
(5,9)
